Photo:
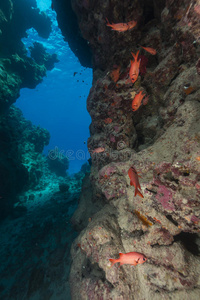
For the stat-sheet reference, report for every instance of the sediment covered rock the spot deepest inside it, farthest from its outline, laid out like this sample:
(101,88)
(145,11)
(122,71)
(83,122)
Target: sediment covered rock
(161,140)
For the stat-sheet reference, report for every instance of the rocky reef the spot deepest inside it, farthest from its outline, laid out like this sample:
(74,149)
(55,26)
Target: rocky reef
(161,140)
(37,236)
(21,157)
(37,201)
(37,196)
(20,141)
(17,70)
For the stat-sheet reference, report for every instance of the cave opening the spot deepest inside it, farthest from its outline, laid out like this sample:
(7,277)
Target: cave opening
(39,190)
(58,103)
(190,241)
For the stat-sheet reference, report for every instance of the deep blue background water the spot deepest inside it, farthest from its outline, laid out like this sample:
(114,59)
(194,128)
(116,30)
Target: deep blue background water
(59,102)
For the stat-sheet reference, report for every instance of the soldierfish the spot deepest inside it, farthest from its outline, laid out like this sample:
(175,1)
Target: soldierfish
(98,150)
(135,67)
(133,175)
(121,27)
(137,100)
(150,50)
(130,258)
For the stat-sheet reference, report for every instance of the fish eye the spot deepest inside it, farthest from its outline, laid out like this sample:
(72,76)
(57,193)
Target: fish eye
(144,258)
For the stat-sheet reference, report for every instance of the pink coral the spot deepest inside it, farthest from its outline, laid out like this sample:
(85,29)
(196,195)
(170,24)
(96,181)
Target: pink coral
(108,195)
(112,138)
(164,196)
(107,170)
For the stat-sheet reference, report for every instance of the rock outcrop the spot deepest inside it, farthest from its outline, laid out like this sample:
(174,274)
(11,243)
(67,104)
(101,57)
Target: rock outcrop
(161,140)
(21,157)
(21,143)
(17,70)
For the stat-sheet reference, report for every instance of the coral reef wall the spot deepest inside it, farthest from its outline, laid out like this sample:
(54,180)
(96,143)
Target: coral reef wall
(17,70)
(160,140)
(21,158)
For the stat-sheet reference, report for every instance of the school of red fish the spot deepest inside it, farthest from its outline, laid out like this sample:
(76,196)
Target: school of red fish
(134,64)
(131,258)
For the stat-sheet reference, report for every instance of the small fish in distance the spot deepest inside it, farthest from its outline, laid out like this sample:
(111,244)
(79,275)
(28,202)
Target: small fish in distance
(150,50)
(98,150)
(121,27)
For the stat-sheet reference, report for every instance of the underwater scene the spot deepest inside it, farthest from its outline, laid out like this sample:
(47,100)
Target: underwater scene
(99,150)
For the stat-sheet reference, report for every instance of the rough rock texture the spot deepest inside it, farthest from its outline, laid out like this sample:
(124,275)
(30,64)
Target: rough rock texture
(68,24)
(161,140)
(36,240)
(21,157)
(21,143)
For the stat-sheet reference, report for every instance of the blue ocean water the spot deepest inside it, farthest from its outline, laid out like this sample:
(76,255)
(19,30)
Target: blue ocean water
(59,102)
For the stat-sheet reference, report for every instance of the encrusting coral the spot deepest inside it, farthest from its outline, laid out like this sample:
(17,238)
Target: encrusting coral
(160,139)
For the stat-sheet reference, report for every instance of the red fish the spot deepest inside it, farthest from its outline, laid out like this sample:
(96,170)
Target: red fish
(130,258)
(137,101)
(150,50)
(134,69)
(98,150)
(121,27)
(133,175)
(108,120)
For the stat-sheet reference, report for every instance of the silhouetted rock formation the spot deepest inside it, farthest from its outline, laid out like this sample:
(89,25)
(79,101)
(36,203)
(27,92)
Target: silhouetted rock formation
(20,142)
(16,69)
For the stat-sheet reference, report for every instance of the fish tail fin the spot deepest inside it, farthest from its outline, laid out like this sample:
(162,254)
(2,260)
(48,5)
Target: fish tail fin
(137,192)
(113,261)
(133,55)
(108,23)
(136,56)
